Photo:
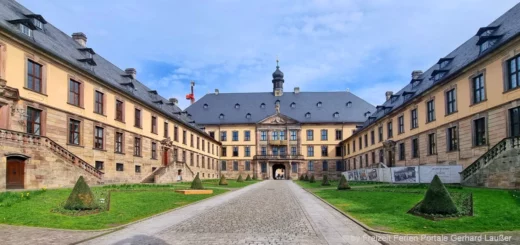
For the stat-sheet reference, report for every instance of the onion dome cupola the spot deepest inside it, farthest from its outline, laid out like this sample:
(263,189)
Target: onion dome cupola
(278,81)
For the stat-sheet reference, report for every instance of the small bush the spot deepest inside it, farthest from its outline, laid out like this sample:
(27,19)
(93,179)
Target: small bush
(437,200)
(312,180)
(325,181)
(223,180)
(248,178)
(196,184)
(343,184)
(301,178)
(239,179)
(81,197)
(306,178)
(255,177)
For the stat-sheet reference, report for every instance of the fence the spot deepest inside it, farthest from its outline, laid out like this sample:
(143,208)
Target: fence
(409,174)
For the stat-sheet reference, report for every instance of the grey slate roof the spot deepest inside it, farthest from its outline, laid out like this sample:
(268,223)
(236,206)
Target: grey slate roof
(224,103)
(61,45)
(464,55)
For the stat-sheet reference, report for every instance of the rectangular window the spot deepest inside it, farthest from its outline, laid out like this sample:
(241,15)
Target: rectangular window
(137,146)
(513,67)
(119,142)
(34,121)
(366,140)
(340,166)
(98,138)
(235,166)
(119,167)
(263,135)
(235,151)
(192,141)
(479,132)
(338,151)
(275,150)
(372,137)
(176,133)
(325,166)
(137,168)
(25,29)
(235,135)
(264,167)
(154,124)
(415,120)
(274,135)
(514,121)
(293,135)
(184,137)
(432,145)
(374,157)
(366,160)
(198,142)
(360,143)
(380,132)
(192,159)
(224,151)
(294,167)
(324,151)
(100,165)
(74,92)
(282,135)
(401,152)
(74,132)
(223,135)
(324,134)
(452,139)
(99,103)
(479,93)
(348,149)
(154,150)
(248,166)
(310,151)
(137,118)
(400,123)
(247,151)
(264,150)
(310,134)
(293,151)
(34,76)
(353,145)
(184,156)
(165,130)
(390,130)
(119,110)
(247,135)
(283,151)
(339,134)
(212,134)
(451,100)
(430,116)
(223,166)
(415,148)
(310,166)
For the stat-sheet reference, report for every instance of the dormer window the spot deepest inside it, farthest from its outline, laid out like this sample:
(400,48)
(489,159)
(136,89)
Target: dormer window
(415,82)
(293,105)
(37,20)
(394,98)
(237,106)
(318,104)
(349,104)
(221,116)
(38,23)
(407,95)
(308,115)
(367,114)
(89,53)
(335,115)
(438,74)
(205,106)
(25,30)
(486,31)
(371,119)
(444,62)
(262,105)
(379,108)
(153,94)
(387,109)
(248,116)
(277,102)
(487,42)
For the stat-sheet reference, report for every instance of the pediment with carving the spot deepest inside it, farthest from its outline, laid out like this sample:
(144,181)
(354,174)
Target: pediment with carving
(278,119)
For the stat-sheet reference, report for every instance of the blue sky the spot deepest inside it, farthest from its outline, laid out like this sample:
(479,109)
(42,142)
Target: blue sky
(368,47)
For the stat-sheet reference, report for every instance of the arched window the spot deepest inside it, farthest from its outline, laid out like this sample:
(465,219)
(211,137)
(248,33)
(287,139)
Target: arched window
(221,116)
(237,106)
(318,104)
(248,115)
(335,115)
(308,115)
(262,105)
(293,105)
(349,104)
(205,106)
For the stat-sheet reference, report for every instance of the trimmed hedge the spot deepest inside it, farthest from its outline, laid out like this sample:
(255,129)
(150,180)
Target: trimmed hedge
(196,184)
(306,178)
(248,178)
(343,184)
(223,180)
(325,181)
(312,180)
(239,179)
(81,197)
(437,199)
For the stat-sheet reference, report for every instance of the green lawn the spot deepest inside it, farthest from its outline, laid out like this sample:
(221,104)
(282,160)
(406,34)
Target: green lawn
(333,184)
(131,203)
(232,183)
(386,209)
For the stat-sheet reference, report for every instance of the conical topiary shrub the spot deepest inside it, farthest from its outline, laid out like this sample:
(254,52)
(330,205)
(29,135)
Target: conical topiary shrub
(81,197)
(239,179)
(196,184)
(325,181)
(248,178)
(301,178)
(312,180)
(223,180)
(437,199)
(343,184)
(306,178)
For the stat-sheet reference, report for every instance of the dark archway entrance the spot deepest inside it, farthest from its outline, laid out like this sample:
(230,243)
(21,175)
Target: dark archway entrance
(15,173)
(279,171)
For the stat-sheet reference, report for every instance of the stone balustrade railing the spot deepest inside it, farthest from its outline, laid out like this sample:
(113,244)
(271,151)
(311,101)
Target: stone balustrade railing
(30,139)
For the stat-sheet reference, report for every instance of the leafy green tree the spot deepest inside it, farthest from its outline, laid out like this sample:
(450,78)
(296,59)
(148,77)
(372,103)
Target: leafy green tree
(196,184)
(437,199)
(325,180)
(343,184)
(81,197)
(223,180)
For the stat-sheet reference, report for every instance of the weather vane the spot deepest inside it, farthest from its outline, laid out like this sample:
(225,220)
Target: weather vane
(277,61)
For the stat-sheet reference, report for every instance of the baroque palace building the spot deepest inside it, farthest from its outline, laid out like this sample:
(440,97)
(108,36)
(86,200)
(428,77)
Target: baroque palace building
(65,111)
(462,110)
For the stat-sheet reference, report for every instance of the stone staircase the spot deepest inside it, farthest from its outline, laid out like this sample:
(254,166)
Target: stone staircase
(168,174)
(499,167)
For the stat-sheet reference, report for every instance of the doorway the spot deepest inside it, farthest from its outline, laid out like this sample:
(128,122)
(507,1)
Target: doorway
(165,156)
(15,173)
(279,171)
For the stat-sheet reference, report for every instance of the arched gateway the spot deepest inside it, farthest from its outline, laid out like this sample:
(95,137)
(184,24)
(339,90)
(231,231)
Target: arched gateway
(279,171)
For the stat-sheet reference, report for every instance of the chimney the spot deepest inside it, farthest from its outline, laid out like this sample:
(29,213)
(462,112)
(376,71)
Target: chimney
(296,90)
(131,71)
(216,91)
(174,101)
(80,38)
(389,94)
(416,74)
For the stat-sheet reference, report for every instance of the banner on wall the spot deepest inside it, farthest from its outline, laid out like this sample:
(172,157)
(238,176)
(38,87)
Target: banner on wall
(447,174)
(410,174)
(405,175)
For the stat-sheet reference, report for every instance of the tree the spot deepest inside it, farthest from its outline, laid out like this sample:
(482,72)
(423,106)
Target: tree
(312,179)
(248,178)
(223,180)
(240,178)
(196,184)
(325,181)
(306,178)
(437,199)
(343,184)
(81,197)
